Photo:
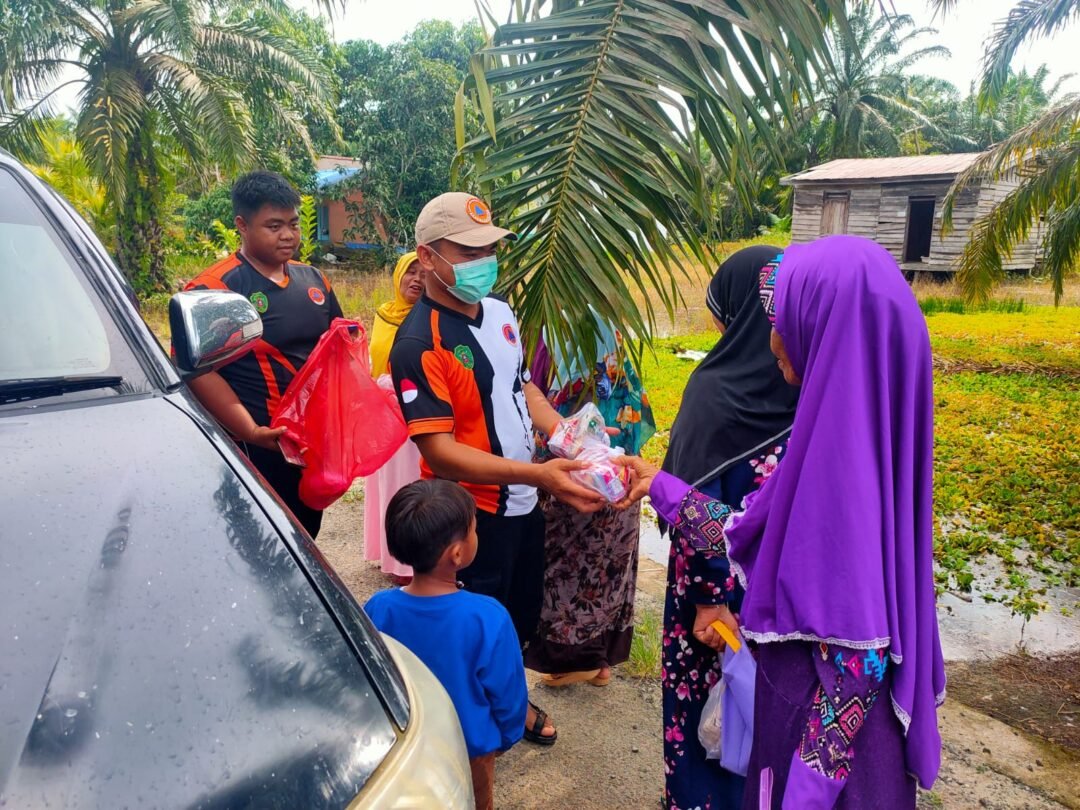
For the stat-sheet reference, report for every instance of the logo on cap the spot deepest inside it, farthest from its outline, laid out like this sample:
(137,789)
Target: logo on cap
(478,211)
(316,295)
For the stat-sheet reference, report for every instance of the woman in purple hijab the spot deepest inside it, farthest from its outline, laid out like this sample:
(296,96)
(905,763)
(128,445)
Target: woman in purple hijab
(835,550)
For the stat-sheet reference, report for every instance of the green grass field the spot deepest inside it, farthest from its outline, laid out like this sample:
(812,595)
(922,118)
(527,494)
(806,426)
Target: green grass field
(1007,464)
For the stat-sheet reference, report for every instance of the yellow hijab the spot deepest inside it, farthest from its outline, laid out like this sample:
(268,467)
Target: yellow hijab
(388,318)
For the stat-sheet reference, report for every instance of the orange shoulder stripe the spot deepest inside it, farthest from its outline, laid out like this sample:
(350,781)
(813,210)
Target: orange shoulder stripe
(212,276)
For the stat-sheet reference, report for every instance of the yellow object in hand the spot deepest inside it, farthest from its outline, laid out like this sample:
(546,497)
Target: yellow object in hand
(725,633)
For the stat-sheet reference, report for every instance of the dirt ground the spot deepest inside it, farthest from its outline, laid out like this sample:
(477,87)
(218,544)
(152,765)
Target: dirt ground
(610,748)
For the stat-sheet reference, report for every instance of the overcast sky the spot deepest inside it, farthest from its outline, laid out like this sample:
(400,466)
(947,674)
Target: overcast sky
(963,31)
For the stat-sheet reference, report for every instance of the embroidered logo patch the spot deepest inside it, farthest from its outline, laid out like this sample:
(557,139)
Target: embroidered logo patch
(478,211)
(259,301)
(316,295)
(464,356)
(408,391)
(508,333)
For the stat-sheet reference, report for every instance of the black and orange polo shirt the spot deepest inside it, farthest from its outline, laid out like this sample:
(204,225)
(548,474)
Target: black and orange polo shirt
(465,376)
(295,314)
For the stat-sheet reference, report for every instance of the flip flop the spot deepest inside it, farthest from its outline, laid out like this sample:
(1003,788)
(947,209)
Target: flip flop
(568,678)
(536,733)
(601,681)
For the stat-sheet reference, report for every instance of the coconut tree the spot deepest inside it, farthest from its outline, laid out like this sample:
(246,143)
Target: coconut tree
(1045,155)
(149,72)
(593,110)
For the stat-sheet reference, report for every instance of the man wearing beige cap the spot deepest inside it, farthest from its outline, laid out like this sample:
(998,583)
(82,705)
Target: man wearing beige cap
(464,389)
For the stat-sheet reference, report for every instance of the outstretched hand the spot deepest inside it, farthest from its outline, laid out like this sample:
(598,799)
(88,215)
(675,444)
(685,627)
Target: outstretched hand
(555,479)
(641,472)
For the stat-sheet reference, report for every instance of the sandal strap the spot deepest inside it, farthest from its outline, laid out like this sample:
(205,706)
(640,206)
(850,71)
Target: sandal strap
(540,723)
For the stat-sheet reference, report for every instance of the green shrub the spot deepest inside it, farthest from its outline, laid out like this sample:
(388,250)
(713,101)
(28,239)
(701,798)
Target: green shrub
(201,213)
(226,238)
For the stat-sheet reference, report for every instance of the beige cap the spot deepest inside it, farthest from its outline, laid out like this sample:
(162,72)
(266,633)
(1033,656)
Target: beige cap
(461,218)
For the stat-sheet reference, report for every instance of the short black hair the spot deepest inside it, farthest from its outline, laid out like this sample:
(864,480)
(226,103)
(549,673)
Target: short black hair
(253,190)
(424,518)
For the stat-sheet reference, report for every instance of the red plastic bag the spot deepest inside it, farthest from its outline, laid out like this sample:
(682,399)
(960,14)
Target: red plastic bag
(339,423)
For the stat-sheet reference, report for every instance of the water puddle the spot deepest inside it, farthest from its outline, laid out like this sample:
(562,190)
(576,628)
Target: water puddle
(651,544)
(971,627)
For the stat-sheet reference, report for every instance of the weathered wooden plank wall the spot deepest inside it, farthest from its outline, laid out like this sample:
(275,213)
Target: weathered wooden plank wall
(810,201)
(806,214)
(879,211)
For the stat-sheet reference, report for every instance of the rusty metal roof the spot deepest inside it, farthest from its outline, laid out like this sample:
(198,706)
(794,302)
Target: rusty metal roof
(884,169)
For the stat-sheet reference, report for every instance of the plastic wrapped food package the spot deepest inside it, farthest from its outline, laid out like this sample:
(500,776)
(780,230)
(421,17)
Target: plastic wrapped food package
(574,433)
(602,475)
(581,437)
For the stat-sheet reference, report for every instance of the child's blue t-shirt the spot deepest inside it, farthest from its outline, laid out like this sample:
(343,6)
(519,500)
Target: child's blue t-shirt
(468,641)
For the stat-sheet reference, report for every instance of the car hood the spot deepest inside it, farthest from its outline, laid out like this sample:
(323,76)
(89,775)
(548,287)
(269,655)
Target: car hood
(159,644)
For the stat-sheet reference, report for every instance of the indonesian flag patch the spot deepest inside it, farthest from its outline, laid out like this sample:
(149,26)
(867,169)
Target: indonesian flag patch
(408,391)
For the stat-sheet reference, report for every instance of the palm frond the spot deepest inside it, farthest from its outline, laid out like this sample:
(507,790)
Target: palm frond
(1047,160)
(1061,245)
(591,155)
(943,6)
(1028,19)
(21,130)
(175,22)
(112,111)
(1058,125)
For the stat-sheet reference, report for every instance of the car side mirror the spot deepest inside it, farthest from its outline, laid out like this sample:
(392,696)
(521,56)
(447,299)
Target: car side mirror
(210,327)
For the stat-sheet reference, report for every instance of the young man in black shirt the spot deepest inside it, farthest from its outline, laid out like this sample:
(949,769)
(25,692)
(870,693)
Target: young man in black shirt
(296,303)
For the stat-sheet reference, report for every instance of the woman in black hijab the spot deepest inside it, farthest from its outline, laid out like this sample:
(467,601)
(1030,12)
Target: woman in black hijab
(731,429)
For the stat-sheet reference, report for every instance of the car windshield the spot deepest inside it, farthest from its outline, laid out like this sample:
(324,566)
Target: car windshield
(57,338)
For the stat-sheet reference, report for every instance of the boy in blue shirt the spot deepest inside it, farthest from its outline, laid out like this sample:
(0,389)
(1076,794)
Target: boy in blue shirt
(467,640)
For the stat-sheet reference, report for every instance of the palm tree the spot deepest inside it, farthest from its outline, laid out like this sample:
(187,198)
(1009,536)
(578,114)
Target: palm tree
(1045,155)
(1022,99)
(593,112)
(864,95)
(153,75)
(64,167)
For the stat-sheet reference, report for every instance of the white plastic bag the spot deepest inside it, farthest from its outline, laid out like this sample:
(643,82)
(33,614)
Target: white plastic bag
(602,475)
(709,728)
(726,728)
(574,433)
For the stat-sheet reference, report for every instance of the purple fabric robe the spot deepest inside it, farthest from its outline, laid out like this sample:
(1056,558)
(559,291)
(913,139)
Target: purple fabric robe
(837,545)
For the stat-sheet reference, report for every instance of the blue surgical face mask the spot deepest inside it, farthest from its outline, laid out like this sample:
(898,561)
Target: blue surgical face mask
(473,280)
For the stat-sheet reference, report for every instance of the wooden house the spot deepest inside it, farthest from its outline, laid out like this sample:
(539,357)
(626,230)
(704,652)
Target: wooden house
(897,202)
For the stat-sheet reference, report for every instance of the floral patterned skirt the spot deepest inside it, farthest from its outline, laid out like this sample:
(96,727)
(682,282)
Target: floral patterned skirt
(689,671)
(692,782)
(587,619)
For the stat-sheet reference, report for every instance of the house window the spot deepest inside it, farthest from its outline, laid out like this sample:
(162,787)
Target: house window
(322,223)
(920,228)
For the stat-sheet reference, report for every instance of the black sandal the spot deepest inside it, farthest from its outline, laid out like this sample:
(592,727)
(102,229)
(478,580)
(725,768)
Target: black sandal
(536,733)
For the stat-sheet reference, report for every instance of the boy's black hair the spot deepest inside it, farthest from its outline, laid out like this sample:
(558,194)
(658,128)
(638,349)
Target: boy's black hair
(424,518)
(253,190)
